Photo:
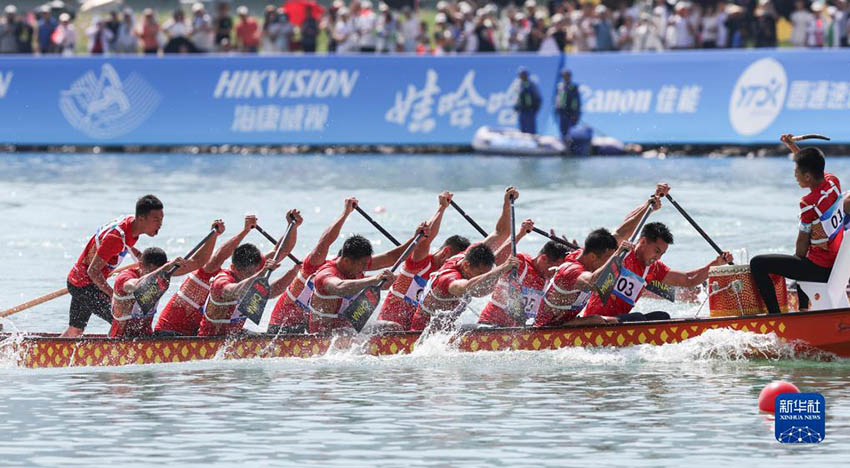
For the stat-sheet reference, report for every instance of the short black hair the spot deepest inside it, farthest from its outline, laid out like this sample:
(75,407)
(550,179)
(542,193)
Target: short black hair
(480,255)
(246,256)
(356,247)
(554,250)
(457,243)
(810,161)
(147,204)
(154,256)
(655,231)
(599,241)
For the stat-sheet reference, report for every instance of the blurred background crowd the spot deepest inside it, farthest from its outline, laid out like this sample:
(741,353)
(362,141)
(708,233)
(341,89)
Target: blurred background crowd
(438,28)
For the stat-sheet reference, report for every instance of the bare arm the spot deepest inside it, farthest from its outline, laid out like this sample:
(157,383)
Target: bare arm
(424,246)
(279,285)
(388,258)
(803,242)
(503,225)
(236,290)
(226,250)
(481,284)
(202,256)
(95,272)
(788,139)
(694,277)
(625,231)
(587,280)
(285,245)
(504,250)
(131,285)
(320,253)
(341,287)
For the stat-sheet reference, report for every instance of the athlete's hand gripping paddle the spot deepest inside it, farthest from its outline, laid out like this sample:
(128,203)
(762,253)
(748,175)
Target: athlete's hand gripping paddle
(468,218)
(606,281)
(154,286)
(274,241)
(253,302)
(377,226)
(365,303)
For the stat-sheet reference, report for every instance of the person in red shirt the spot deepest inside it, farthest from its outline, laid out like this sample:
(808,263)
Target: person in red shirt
(532,276)
(247,31)
(220,314)
(128,320)
(820,234)
(90,293)
(291,313)
(182,315)
(339,280)
(405,293)
(466,275)
(643,264)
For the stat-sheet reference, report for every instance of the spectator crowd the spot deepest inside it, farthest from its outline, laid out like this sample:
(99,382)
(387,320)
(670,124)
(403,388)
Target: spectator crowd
(457,27)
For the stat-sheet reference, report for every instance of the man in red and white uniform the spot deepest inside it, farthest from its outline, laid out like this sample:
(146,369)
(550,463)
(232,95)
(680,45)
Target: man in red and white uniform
(339,280)
(291,313)
(182,315)
(821,232)
(642,265)
(90,293)
(468,274)
(405,293)
(528,285)
(220,315)
(128,320)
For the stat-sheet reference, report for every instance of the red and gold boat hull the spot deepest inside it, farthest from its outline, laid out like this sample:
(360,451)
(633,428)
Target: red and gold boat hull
(827,331)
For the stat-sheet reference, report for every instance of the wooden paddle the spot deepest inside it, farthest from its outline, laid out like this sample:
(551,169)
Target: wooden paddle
(810,136)
(695,225)
(468,218)
(154,286)
(554,238)
(274,241)
(605,283)
(365,303)
(253,302)
(51,296)
(377,226)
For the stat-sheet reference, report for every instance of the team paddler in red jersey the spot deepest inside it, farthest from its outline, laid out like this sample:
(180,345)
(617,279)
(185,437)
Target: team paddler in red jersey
(466,275)
(406,291)
(220,313)
(90,293)
(291,313)
(183,313)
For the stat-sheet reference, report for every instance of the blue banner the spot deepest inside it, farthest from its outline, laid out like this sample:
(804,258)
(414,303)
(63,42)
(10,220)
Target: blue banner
(674,97)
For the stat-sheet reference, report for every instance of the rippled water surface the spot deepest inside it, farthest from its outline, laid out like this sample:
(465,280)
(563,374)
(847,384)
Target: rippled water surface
(692,403)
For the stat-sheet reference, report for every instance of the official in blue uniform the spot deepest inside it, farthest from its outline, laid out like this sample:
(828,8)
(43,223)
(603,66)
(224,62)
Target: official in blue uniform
(567,104)
(528,103)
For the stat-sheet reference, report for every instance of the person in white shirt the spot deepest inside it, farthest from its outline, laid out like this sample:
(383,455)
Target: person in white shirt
(100,37)
(684,35)
(126,42)
(710,28)
(801,21)
(65,36)
(202,34)
(366,24)
(410,28)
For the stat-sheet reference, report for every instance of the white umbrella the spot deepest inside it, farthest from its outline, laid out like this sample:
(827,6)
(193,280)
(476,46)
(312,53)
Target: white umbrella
(92,4)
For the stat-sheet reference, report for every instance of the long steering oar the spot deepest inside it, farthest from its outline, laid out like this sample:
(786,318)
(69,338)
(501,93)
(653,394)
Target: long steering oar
(556,239)
(51,296)
(468,218)
(253,302)
(606,282)
(365,303)
(696,226)
(274,241)
(377,226)
(154,286)
(810,136)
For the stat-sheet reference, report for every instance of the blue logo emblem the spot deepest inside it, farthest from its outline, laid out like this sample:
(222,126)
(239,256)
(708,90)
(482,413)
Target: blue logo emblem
(800,418)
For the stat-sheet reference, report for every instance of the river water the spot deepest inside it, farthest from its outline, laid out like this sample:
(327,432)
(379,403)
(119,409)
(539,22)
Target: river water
(693,402)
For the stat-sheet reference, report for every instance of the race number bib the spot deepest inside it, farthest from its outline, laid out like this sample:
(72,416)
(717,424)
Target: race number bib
(303,299)
(832,219)
(628,285)
(414,292)
(531,299)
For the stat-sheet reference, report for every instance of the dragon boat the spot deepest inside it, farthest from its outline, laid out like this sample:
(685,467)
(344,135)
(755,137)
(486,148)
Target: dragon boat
(822,331)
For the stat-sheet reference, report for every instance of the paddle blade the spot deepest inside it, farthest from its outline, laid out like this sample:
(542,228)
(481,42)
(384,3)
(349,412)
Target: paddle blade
(253,303)
(514,302)
(662,290)
(362,307)
(151,290)
(605,282)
